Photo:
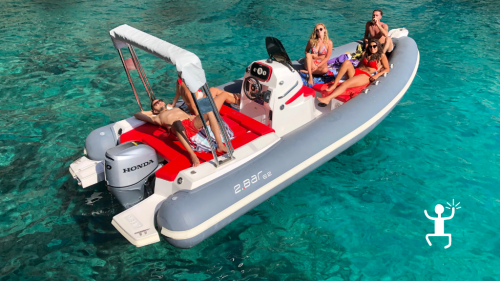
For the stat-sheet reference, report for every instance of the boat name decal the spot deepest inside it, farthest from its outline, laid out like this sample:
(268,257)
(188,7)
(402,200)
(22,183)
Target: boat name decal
(131,169)
(253,179)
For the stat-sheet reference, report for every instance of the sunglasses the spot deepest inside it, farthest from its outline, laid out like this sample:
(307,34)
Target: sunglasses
(157,102)
(319,29)
(373,46)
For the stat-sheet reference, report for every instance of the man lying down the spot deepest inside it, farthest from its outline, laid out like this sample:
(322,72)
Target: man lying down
(185,126)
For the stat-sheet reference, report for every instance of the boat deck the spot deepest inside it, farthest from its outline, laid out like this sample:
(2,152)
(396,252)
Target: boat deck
(245,130)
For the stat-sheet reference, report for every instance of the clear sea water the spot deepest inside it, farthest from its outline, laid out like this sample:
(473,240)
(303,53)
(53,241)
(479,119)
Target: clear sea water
(360,216)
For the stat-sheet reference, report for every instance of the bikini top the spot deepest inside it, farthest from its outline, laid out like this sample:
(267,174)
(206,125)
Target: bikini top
(323,51)
(371,64)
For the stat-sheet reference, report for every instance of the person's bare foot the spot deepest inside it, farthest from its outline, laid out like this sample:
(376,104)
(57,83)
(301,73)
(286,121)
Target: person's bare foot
(323,100)
(310,81)
(222,148)
(331,88)
(195,161)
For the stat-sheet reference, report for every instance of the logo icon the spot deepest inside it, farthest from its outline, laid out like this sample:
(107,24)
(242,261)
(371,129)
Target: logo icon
(439,222)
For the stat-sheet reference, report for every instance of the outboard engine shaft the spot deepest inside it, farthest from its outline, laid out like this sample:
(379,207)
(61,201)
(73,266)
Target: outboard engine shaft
(128,167)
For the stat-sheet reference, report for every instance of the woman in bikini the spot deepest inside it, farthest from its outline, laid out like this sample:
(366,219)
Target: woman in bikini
(371,61)
(321,48)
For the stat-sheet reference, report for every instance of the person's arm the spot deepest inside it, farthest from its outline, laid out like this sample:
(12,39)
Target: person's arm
(328,54)
(308,47)
(188,98)
(146,116)
(384,28)
(367,32)
(385,68)
(177,95)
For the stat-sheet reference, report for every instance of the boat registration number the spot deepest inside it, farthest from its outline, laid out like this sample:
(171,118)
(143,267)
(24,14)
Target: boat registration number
(252,180)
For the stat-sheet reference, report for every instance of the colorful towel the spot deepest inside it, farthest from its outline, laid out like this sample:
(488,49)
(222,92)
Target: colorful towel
(200,141)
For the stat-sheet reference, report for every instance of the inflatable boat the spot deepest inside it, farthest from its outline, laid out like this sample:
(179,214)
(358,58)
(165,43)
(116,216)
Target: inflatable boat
(280,135)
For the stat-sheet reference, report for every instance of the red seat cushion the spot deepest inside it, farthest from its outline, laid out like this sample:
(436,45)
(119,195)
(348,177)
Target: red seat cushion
(245,130)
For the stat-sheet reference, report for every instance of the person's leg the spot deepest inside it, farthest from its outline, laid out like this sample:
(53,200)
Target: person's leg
(346,67)
(214,126)
(210,119)
(228,97)
(355,81)
(389,45)
(188,99)
(180,132)
(308,65)
(219,101)
(305,64)
(322,70)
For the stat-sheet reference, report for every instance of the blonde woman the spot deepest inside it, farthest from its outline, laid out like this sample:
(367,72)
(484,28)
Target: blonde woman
(320,47)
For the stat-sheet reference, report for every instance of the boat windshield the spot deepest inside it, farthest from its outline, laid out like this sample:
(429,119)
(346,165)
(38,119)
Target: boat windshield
(276,51)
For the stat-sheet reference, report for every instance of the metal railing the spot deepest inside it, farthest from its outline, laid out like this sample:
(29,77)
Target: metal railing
(206,108)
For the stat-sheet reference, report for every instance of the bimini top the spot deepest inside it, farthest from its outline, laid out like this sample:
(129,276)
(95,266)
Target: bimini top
(188,64)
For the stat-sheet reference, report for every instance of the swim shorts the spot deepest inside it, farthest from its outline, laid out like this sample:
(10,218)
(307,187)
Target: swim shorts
(191,130)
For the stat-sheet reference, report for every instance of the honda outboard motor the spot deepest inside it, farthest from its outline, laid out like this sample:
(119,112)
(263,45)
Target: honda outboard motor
(128,167)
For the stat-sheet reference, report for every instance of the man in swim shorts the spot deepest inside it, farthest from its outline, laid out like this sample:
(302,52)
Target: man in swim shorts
(378,30)
(183,125)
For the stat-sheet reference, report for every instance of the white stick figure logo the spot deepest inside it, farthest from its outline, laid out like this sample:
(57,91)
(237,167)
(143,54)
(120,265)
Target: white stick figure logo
(439,222)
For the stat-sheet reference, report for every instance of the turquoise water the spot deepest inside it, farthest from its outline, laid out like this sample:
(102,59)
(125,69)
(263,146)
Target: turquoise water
(360,216)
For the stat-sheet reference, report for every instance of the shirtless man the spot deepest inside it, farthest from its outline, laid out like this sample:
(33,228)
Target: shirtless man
(378,30)
(183,125)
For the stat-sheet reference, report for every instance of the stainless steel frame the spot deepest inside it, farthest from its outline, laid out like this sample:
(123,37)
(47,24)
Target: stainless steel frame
(130,79)
(204,89)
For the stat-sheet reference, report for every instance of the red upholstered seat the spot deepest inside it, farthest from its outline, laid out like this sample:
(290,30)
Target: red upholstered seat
(347,95)
(245,130)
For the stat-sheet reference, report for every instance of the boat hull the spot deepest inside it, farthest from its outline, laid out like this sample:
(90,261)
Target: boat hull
(190,216)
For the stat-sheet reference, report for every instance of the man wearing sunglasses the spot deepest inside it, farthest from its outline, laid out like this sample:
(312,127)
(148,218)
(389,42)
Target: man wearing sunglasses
(378,30)
(182,125)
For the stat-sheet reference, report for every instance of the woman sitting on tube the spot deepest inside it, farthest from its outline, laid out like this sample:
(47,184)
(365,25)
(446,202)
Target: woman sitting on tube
(321,48)
(372,61)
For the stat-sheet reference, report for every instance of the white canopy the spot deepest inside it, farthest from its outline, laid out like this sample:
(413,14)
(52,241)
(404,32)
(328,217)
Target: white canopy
(188,64)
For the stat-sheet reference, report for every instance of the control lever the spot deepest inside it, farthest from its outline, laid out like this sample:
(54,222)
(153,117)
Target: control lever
(266,96)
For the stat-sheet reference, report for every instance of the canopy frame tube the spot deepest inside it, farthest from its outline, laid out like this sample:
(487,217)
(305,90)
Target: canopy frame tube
(130,79)
(206,90)
(141,72)
(188,67)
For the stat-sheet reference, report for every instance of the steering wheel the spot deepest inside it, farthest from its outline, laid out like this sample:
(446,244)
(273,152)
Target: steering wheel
(252,88)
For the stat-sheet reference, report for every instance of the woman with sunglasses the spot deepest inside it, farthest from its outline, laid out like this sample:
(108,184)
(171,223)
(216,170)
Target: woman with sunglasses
(371,61)
(320,47)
